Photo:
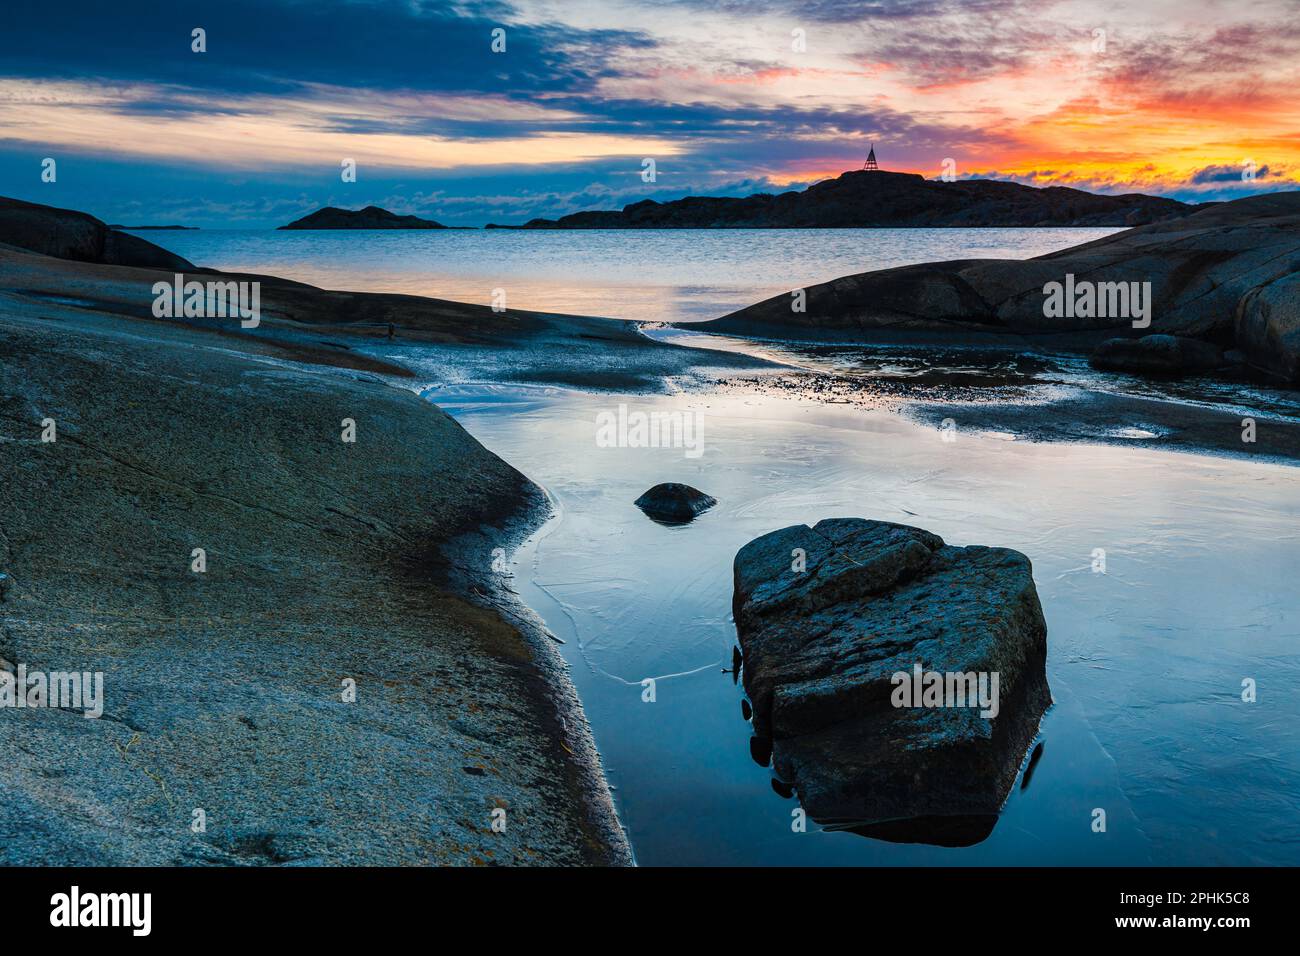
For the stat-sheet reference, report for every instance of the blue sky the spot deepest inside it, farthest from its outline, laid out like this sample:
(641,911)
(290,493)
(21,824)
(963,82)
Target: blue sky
(727,97)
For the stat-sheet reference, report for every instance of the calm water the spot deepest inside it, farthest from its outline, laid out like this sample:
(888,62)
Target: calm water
(676,275)
(1146,661)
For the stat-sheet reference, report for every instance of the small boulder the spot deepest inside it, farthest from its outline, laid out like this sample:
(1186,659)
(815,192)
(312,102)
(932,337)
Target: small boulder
(835,619)
(674,503)
(1157,355)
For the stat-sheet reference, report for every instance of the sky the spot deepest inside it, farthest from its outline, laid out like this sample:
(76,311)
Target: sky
(1193,99)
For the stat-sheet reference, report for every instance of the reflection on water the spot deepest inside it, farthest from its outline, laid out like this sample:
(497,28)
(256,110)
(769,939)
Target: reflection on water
(954,831)
(668,275)
(976,373)
(1146,661)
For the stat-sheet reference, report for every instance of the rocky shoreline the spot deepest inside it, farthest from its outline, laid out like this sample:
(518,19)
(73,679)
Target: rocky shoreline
(379,561)
(1032,395)
(309,650)
(1224,277)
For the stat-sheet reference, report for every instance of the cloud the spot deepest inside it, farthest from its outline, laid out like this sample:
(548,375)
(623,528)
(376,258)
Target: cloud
(714,90)
(271,46)
(1226,174)
(1210,183)
(258,131)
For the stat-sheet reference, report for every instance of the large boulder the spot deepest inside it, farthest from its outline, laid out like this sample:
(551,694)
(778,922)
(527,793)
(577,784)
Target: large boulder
(1157,355)
(830,616)
(67,234)
(1268,326)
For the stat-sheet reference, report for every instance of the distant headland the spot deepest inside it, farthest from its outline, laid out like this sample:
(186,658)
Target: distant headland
(873,198)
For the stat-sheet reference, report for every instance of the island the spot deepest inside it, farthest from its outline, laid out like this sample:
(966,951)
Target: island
(873,198)
(372,217)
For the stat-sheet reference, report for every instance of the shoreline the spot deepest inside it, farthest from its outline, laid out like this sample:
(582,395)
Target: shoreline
(598,576)
(1089,417)
(394,599)
(1017,387)
(567,727)
(299,342)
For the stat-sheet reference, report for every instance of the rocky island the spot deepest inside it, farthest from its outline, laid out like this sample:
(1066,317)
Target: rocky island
(371,217)
(877,198)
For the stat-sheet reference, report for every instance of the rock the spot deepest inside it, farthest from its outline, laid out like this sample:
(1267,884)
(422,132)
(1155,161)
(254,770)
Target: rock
(1224,274)
(674,503)
(66,234)
(1137,217)
(880,198)
(325,560)
(372,217)
(1268,326)
(822,646)
(1157,355)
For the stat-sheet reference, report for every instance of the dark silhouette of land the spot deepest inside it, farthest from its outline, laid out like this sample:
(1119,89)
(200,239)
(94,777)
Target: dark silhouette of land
(372,217)
(876,198)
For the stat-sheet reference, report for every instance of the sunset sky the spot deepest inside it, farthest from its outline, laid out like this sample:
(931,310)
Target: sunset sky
(1162,96)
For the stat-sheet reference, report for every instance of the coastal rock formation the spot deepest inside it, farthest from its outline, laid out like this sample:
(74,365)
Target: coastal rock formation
(828,616)
(1268,324)
(75,235)
(457,340)
(1157,355)
(127,447)
(1225,274)
(372,217)
(879,199)
(675,503)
